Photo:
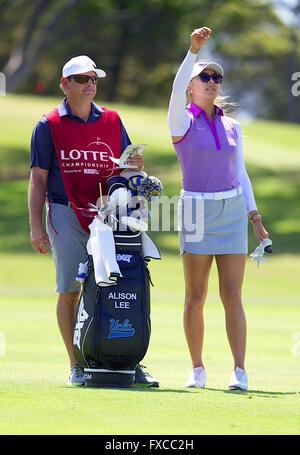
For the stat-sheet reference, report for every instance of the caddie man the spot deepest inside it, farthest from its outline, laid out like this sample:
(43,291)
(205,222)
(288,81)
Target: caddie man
(71,150)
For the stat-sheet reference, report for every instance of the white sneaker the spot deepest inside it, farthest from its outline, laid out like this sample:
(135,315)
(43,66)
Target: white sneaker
(197,378)
(76,378)
(238,380)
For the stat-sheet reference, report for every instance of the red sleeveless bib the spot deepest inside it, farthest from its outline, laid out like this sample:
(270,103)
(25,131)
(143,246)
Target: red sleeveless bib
(84,151)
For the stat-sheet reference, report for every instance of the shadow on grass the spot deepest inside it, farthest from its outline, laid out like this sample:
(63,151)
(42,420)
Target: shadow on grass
(254,393)
(280,208)
(131,389)
(247,393)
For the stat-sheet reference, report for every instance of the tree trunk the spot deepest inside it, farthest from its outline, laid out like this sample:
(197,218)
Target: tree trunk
(119,55)
(27,51)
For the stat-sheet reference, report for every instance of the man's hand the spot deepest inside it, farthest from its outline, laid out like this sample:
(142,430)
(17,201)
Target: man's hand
(39,240)
(36,195)
(137,161)
(199,38)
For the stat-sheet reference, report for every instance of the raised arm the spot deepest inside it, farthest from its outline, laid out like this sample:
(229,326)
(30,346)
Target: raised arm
(178,118)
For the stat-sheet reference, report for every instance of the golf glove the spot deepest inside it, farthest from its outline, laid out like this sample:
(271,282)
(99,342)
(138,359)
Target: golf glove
(259,252)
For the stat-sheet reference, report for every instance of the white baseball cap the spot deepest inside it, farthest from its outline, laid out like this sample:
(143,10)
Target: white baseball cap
(200,66)
(81,64)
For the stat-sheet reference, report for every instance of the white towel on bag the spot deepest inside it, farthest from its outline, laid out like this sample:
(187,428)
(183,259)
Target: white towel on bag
(101,246)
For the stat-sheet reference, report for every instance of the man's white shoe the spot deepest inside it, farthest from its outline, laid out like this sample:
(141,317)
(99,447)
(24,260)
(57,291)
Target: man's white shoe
(76,378)
(238,380)
(197,378)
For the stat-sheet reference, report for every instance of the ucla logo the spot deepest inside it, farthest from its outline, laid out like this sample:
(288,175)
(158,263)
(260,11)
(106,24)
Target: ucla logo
(118,330)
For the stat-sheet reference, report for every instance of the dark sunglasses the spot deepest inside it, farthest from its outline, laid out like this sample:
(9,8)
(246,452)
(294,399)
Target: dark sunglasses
(205,77)
(83,79)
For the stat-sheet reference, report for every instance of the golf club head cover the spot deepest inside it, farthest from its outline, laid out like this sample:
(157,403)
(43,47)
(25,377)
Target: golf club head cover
(118,193)
(136,203)
(148,187)
(115,182)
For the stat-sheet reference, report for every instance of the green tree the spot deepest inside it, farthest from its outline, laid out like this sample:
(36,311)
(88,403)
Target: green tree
(140,44)
(260,52)
(35,34)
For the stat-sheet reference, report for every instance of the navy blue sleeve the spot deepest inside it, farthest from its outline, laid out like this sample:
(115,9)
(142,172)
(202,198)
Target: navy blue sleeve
(43,155)
(41,149)
(125,141)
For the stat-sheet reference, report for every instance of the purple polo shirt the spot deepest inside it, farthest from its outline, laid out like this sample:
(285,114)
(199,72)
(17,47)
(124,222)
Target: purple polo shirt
(207,152)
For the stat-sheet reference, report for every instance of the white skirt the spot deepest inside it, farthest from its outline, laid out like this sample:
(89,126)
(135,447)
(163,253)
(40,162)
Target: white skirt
(208,226)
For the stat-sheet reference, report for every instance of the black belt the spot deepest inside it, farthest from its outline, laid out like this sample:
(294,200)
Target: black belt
(59,200)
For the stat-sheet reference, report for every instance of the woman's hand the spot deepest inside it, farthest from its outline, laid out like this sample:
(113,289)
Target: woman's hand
(259,230)
(199,38)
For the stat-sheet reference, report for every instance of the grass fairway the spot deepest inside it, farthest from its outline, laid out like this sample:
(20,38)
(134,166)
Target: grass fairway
(33,364)
(35,400)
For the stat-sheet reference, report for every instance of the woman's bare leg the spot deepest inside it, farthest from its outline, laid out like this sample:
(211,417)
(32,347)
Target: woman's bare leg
(196,274)
(231,272)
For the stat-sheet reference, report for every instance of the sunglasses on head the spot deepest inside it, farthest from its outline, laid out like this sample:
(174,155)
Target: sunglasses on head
(83,79)
(205,77)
